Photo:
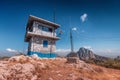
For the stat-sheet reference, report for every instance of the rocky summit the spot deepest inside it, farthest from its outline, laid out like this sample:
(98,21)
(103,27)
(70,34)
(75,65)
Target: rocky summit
(35,68)
(86,54)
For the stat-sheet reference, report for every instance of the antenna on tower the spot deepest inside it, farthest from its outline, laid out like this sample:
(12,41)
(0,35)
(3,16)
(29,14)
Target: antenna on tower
(72,53)
(71,40)
(71,37)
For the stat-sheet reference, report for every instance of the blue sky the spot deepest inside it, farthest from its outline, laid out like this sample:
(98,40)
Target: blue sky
(99,30)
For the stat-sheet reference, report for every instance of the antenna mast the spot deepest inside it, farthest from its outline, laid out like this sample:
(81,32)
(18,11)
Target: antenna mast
(71,41)
(71,37)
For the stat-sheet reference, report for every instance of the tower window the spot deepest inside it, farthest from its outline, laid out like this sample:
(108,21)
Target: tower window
(45,43)
(50,29)
(43,28)
(40,27)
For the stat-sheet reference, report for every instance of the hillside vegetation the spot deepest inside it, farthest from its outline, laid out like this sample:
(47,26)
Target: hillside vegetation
(108,63)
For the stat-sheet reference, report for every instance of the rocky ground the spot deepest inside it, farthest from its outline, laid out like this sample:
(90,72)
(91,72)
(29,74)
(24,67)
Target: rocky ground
(34,68)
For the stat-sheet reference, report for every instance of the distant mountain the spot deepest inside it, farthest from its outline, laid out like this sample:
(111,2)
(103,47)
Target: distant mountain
(86,54)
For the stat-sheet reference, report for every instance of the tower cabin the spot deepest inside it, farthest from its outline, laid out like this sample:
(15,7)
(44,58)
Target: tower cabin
(41,37)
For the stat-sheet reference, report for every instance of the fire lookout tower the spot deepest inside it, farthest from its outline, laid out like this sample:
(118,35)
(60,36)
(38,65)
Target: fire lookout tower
(41,36)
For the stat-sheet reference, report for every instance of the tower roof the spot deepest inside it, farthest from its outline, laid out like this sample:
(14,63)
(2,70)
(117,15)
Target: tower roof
(34,18)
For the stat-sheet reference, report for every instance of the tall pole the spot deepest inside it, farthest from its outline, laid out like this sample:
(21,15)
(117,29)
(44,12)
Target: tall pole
(50,48)
(53,31)
(71,41)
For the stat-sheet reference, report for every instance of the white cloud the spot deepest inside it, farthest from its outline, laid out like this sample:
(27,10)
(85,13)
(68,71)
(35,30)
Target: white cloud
(84,17)
(109,50)
(63,52)
(74,29)
(10,50)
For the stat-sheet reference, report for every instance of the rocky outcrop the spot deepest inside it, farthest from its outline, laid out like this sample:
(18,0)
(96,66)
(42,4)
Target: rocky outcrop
(73,60)
(35,68)
(72,54)
(86,54)
(21,68)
